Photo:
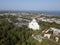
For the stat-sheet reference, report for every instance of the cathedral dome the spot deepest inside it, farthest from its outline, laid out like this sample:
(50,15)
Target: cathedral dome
(34,25)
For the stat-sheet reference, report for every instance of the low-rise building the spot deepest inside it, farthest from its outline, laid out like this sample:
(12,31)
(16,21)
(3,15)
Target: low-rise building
(47,35)
(56,33)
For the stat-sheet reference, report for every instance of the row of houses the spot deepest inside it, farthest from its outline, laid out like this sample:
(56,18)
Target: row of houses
(52,32)
(51,20)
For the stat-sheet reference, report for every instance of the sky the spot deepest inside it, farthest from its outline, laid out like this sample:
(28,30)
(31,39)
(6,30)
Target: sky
(30,5)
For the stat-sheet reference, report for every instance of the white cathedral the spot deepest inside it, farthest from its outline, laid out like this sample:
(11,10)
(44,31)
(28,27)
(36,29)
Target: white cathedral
(34,25)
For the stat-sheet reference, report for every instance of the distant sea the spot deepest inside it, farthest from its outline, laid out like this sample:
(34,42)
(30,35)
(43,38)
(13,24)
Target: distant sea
(51,13)
(55,13)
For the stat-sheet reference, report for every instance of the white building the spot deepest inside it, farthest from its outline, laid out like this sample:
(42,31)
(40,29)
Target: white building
(47,35)
(37,37)
(56,33)
(34,25)
(58,21)
(57,39)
